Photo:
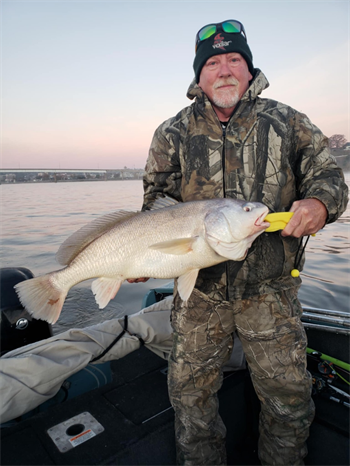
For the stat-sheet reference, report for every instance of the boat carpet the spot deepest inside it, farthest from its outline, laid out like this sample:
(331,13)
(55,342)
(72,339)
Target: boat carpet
(135,413)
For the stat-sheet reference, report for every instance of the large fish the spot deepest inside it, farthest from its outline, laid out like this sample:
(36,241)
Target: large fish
(168,242)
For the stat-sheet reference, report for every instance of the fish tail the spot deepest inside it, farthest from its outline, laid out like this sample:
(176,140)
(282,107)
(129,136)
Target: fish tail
(41,297)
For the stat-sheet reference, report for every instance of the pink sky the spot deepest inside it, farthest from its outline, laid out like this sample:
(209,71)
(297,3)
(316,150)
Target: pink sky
(91,94)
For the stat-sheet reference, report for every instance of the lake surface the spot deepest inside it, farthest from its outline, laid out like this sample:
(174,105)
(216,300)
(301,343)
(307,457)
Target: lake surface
(36,218)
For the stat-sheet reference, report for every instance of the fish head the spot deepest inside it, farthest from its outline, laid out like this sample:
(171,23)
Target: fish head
(233,225)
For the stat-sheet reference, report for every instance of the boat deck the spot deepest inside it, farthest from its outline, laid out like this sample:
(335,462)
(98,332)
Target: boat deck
(137,418)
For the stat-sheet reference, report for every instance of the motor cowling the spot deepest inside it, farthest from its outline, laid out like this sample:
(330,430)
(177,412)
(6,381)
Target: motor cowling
(17,327)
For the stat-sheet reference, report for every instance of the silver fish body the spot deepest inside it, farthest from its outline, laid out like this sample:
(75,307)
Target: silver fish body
(169,242)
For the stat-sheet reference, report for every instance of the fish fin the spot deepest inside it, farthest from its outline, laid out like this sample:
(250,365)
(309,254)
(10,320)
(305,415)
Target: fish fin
(41,298)
(186,283)
(176,246)
(162,202)
(105,289)
(79,240)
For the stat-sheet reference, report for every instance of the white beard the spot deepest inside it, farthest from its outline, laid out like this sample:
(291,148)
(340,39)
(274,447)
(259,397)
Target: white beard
(226,101)
(226,98)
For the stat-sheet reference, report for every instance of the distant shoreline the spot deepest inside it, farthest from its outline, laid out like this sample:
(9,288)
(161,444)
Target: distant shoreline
(342,159)
(66,181)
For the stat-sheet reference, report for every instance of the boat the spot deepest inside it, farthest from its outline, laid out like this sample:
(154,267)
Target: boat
(111,406)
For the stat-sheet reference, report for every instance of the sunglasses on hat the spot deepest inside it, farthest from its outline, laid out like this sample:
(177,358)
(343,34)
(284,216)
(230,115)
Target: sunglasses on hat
(231,26)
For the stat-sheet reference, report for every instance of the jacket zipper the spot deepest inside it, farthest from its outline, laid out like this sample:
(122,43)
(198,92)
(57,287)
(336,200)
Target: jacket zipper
(223,159)
(224,191)
(224,127)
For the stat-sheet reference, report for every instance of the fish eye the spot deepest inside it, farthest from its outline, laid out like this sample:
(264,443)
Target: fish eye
(247,208)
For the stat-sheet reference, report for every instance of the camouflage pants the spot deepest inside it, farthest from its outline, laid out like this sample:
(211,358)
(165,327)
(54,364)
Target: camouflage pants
(274,343)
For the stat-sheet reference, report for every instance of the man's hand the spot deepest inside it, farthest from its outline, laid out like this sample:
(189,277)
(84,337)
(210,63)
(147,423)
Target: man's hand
(309,217)
(137,280)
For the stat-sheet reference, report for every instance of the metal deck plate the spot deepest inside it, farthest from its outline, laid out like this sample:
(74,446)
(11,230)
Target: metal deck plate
(75,431)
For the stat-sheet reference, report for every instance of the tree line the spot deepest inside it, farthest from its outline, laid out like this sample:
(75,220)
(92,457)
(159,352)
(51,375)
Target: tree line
(337,141)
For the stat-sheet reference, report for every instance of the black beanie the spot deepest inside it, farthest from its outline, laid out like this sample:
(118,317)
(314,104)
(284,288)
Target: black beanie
(218,43)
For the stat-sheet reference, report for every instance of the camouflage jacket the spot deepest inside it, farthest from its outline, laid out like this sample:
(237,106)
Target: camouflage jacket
(269,153)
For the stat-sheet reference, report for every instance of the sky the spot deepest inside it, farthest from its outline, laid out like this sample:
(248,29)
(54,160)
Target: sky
(84,84)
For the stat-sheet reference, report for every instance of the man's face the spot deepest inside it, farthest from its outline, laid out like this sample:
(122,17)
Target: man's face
(224,79)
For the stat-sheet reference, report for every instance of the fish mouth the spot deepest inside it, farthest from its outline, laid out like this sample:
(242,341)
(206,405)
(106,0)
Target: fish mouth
(259,222)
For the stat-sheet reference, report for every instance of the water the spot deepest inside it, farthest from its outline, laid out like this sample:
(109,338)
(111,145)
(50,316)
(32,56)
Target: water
(36,218)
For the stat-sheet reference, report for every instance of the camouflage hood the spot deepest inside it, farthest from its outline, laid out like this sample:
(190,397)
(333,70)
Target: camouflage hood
(257,85)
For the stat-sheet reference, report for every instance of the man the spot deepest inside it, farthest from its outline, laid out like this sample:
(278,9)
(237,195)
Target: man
(231,143)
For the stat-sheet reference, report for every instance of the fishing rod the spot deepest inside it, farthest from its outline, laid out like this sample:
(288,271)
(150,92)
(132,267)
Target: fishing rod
(326,372)
(320,385)
(337,400)
(325,357)
(332,393)
(327,320)
(327,312)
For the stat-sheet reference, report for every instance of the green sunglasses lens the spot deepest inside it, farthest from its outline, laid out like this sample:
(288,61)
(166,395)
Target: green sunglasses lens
(206,32)
(231,26)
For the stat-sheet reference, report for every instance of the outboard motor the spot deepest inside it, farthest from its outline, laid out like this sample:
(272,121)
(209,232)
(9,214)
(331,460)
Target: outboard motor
(18,328)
